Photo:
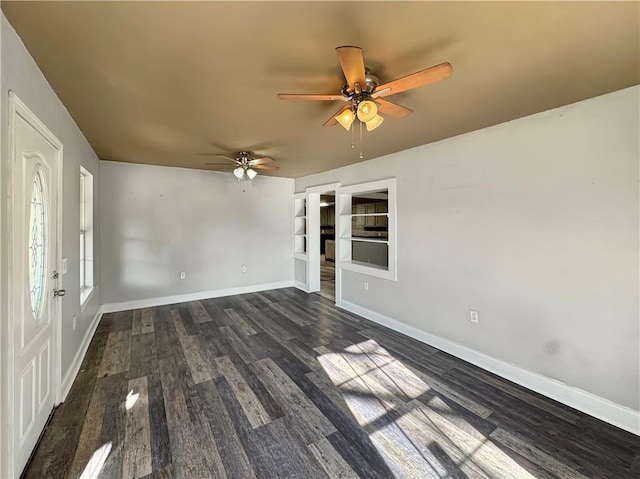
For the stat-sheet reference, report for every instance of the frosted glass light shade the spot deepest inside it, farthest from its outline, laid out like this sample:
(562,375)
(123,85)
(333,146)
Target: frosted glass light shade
(367,110)
(374,123)
(345,118)
(239,172)
(251,173)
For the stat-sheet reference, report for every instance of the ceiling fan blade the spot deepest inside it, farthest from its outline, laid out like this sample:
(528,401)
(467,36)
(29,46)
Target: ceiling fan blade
(379,92)
(310,96)
(332,121)
(261,161)
(352,64)
(392,109)
(227,158)
(417,79)
(219,164)
(265,167)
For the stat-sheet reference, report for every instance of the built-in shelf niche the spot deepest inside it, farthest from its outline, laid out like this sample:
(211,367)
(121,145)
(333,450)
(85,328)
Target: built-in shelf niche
(300,227)
(366,228)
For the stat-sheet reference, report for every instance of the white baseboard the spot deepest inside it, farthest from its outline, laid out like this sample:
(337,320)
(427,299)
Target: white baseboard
(184,298)
(72,372)
(300,286)
(608,411)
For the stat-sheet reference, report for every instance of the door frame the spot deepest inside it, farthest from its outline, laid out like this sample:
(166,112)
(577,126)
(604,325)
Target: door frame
(313,234)
(18,108)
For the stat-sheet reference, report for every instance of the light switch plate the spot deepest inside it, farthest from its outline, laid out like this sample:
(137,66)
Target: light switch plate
(64,265)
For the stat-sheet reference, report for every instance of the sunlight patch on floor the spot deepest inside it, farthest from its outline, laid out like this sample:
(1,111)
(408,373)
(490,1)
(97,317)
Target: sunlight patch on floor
(131,400)
(381,393)
(94,466)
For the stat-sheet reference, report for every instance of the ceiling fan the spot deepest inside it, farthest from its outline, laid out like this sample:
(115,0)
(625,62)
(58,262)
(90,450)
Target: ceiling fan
(244,164)
(365,95)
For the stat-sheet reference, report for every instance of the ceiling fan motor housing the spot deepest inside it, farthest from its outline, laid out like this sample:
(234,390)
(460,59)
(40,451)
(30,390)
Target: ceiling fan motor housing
(243,158)
(371,82)
(362,92)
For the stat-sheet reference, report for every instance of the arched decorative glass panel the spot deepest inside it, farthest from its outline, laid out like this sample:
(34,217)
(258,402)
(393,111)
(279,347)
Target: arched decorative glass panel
(37,244)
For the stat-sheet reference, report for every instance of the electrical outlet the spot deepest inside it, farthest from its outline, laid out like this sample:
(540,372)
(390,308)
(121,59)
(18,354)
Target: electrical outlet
(244,269)
(474,316)
(75,321)
(183,275)
(365,285)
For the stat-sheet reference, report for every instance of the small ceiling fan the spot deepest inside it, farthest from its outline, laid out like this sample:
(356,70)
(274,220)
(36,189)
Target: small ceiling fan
(244,164)
(365,95)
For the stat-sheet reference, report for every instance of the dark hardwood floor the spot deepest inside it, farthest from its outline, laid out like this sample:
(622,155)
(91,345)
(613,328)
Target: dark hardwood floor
(282,384)
(327,279)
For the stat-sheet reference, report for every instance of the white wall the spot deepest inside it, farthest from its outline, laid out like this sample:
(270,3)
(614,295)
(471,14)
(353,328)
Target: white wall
(3,247)
(534,223)
(21,75)
(159,221)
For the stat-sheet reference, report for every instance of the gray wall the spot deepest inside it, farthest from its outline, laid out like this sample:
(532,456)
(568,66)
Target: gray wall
(159,221)
(21,75)
(534,223)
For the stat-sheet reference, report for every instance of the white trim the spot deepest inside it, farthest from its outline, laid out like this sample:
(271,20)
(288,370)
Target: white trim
(72,372)
(313,242)
(313,231)
(300,286)
(85,293)
(184,298)
(322,188)
(338,284)
(601,408)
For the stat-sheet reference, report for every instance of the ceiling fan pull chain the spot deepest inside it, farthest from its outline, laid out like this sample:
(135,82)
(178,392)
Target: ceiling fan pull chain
(353,133)
(360,140)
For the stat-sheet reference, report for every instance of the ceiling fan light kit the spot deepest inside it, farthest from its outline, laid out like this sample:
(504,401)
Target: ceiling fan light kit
(345,118)
(245,165)
(367,110)
(364,93)
(374,123)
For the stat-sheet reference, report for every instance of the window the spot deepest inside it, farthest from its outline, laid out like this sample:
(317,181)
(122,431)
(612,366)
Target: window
(367,228)
(86,235)
(37,244)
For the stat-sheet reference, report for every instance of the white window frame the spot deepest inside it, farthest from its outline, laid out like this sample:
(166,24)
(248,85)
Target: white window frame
(86,262)
(344,216)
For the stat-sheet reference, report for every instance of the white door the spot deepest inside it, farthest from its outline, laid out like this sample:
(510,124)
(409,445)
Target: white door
(33,281)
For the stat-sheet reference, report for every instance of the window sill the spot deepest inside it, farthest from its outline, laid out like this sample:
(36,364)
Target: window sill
(368,269)
(85,294)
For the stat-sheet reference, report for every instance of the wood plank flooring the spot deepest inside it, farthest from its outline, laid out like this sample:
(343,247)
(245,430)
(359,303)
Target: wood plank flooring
(327,279)
(281,384)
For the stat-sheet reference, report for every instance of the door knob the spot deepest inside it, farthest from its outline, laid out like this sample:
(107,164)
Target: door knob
(59,292)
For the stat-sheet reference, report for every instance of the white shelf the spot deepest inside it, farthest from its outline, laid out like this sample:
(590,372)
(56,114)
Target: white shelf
(362,263)
(365,214)
(300,217)
(368,269)
(368,240)
(302,256)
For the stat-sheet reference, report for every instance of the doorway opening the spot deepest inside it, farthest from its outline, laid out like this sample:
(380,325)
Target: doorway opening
(327,246)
